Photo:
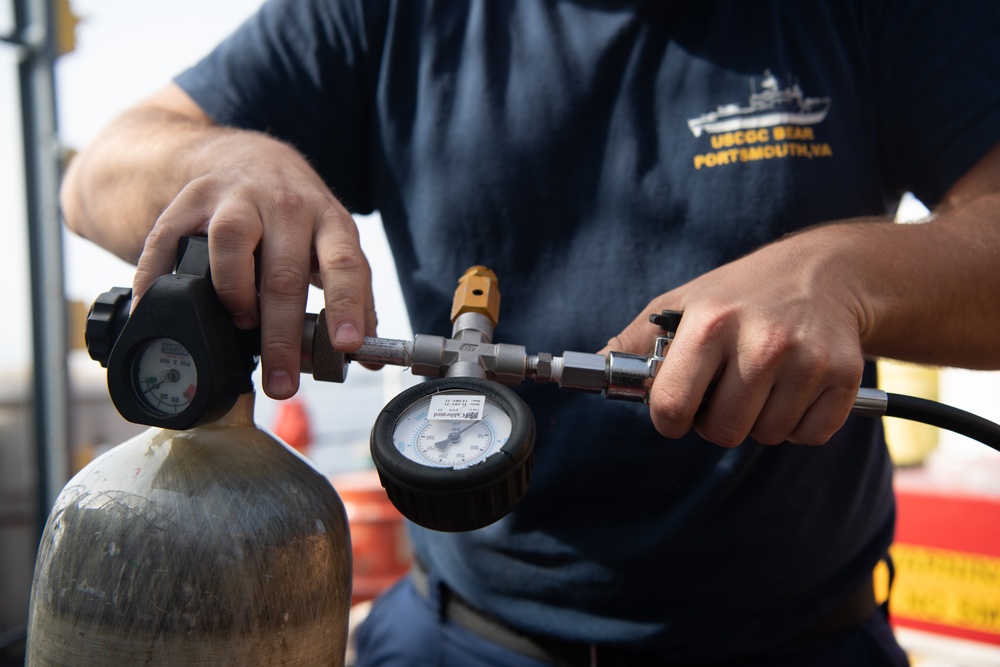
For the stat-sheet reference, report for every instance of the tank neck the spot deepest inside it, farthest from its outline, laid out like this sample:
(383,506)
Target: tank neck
(241,413)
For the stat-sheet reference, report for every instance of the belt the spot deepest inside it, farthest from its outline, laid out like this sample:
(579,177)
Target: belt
(562,653)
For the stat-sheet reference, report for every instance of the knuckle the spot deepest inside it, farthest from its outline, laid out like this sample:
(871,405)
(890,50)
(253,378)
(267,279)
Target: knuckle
(669,405)
(724,435)
(344,298)
(343,256)
(228,228)
(288,203)
(810,438)
(771,433)
(278,347)
(335,224)
(671,414)
(334,214)
(764,354)
(711,328)
(822,437)
(775,343)
(161,238)
(199,192)
(234,294)
(840,372)
(820,361)
(338,239)
(286,280)
(852,371)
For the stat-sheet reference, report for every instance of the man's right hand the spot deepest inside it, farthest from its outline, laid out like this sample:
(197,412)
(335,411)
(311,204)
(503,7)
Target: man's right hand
(272,224)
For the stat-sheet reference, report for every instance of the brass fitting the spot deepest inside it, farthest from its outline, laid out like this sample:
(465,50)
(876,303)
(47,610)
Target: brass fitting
(478,292)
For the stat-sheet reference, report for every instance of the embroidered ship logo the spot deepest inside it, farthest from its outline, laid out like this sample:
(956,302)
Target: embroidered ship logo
(770,106)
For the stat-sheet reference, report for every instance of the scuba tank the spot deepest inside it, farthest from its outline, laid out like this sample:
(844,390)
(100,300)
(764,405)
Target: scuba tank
(204,540)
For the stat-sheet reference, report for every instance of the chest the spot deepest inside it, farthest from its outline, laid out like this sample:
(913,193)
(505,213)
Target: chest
(555,139)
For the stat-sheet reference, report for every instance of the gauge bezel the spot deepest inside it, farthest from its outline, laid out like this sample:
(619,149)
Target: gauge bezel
(456,499)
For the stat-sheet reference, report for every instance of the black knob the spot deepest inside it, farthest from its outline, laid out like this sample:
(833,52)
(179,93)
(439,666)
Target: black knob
(105,322)
(667,320)
(328,365)
(463,497)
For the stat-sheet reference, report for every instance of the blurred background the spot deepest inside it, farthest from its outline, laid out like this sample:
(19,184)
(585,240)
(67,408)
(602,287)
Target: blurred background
(114,53)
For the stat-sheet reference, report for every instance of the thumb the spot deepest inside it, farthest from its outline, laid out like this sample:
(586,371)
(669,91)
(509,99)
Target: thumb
(640,335)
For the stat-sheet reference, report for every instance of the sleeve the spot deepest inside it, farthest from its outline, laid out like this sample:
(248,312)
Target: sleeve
(938,68)
(299,70)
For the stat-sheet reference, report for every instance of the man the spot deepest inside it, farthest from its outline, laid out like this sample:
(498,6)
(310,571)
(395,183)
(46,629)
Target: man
(734,160)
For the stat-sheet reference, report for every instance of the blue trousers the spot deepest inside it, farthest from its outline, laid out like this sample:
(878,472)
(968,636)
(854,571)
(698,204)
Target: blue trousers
(404,629)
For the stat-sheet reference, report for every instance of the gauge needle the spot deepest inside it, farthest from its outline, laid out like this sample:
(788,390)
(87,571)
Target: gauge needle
(454,436)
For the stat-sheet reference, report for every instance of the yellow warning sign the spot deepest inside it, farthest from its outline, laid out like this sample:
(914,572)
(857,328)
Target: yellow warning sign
(946,587)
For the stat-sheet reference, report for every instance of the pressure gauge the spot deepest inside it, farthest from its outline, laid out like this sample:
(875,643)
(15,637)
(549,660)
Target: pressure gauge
(454,454)
(175,360)
(166,376)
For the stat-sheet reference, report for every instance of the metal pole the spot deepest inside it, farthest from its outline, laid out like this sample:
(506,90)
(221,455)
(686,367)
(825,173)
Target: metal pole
(35,30)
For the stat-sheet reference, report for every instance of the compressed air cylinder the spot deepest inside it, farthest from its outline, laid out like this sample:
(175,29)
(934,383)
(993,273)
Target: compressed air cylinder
(216,546)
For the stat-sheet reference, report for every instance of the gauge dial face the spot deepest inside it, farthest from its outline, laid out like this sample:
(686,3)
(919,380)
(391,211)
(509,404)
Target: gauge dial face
(166,377)
(452,430)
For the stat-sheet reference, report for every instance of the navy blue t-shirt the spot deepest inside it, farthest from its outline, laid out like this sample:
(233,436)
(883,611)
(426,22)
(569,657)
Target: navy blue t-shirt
(595,155)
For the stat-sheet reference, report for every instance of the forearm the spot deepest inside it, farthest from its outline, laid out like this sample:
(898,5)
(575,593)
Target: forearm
(929,292)
(114,190)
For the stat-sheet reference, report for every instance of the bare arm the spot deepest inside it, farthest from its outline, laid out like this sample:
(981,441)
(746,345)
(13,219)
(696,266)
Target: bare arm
(164,170)
(938,301)
(115,190)
(772,345)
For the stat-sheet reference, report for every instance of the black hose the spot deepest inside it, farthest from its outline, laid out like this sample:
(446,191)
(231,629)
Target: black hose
(943,416)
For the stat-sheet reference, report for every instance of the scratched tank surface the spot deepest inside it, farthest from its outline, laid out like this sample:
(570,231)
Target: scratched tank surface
(215,546)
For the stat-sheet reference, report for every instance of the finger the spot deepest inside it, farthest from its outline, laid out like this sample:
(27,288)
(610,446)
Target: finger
(695,359)
(234,233)
(371,326)
(824,417)
(187,214)
(815,377)
(371,316)
(733,407)
(783,411)
(799,379)
(843,367)
(284,282)
(346,280)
